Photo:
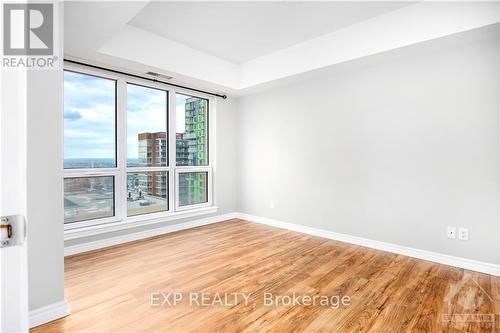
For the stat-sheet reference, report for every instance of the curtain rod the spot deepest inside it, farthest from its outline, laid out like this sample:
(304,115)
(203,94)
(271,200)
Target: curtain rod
(146,78)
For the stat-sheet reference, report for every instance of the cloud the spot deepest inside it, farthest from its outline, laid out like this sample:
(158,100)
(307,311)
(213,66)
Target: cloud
(72,115)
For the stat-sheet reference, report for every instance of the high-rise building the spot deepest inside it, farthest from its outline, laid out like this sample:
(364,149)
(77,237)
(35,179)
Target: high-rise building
(191,150)
(191,145)
(152,151)
(181,149)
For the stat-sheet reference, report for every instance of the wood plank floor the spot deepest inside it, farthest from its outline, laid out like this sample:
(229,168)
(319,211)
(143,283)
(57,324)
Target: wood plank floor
(110,290)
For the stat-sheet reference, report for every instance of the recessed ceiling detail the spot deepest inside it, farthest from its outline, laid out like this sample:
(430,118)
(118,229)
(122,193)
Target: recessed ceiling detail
(242,31)
(235,46)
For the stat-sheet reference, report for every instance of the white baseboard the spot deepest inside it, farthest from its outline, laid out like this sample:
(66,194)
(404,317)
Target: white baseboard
(48,313)
(106,242)
(441,258)
(470,264)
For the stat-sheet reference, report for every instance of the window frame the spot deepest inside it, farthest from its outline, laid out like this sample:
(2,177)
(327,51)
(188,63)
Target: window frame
(121,220)
(167,168)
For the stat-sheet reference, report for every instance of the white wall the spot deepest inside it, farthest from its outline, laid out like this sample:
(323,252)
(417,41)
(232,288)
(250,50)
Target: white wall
(393,147)
(44,123)
(44,188)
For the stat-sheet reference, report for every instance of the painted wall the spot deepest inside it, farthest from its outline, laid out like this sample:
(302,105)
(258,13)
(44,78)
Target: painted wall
(44,151)
(393,147)
(45,188)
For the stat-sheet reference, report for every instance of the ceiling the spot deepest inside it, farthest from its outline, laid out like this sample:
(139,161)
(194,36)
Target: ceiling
(241,31)
(236,47)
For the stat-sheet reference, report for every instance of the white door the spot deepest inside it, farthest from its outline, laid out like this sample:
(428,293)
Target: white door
(13,257)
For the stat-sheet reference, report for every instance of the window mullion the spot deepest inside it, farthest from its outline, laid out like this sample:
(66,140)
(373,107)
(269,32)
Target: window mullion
(172,129)
(212,137)
(122,148)
(89,172)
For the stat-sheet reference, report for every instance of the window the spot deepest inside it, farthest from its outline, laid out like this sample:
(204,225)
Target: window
(193,188)
(89,147)
(88,198)
(147,192)
(133,150)
(147,147)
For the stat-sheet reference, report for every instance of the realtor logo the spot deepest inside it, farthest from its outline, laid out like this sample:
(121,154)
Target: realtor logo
(28,29)
(466,303)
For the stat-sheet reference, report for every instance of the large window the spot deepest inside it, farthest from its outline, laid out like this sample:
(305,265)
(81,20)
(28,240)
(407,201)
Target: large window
(133,150)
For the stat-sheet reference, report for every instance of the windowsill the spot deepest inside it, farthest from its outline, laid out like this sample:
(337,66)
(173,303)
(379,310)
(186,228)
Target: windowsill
(122,225)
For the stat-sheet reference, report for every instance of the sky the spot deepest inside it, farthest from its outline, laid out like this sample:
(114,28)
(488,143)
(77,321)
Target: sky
(89,115)
(146,112)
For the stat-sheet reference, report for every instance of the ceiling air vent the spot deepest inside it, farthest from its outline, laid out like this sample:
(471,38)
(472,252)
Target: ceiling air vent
(158,75)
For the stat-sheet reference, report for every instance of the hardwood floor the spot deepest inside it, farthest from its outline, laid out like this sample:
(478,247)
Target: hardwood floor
(110,290)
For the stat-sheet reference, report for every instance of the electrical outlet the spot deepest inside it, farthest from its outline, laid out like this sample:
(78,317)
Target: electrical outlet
(271,204)
(451,232)
(463,234)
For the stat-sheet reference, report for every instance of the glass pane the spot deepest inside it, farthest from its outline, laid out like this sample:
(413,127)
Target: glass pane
(192,130)
(89,121)
(193,188)
(88,198)
(147,192)
(146,126)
